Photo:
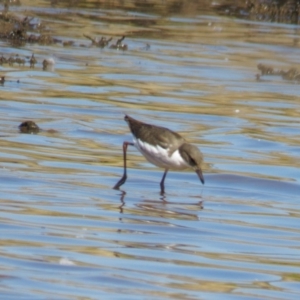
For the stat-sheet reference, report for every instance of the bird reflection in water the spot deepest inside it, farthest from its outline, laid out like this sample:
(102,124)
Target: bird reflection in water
(163,208)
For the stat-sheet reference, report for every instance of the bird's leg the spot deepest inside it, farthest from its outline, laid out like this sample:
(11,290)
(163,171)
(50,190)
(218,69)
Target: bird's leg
(124,177)
(162,183)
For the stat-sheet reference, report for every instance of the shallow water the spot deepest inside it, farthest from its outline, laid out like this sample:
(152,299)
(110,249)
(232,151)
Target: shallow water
(66,234)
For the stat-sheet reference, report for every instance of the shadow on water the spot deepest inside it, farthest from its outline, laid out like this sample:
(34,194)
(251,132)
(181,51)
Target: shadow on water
(223,75)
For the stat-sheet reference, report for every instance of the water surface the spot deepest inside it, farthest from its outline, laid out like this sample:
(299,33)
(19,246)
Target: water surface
(66,234)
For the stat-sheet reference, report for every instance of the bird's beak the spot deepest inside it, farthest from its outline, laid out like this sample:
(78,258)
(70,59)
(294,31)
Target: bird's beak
(200,175)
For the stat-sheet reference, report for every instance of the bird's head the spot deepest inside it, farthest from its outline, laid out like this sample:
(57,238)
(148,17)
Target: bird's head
(193,157)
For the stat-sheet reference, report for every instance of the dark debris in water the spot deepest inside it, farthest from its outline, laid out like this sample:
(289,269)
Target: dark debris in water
(15,59)
(19,31)
(281,11)
(104,42)
(118,45)
(15,30)
(291,74)
(29,127)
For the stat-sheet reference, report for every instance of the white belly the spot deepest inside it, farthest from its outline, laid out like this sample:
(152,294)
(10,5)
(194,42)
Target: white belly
(160,156)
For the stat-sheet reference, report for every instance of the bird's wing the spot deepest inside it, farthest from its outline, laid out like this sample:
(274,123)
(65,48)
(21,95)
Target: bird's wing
(165,138)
